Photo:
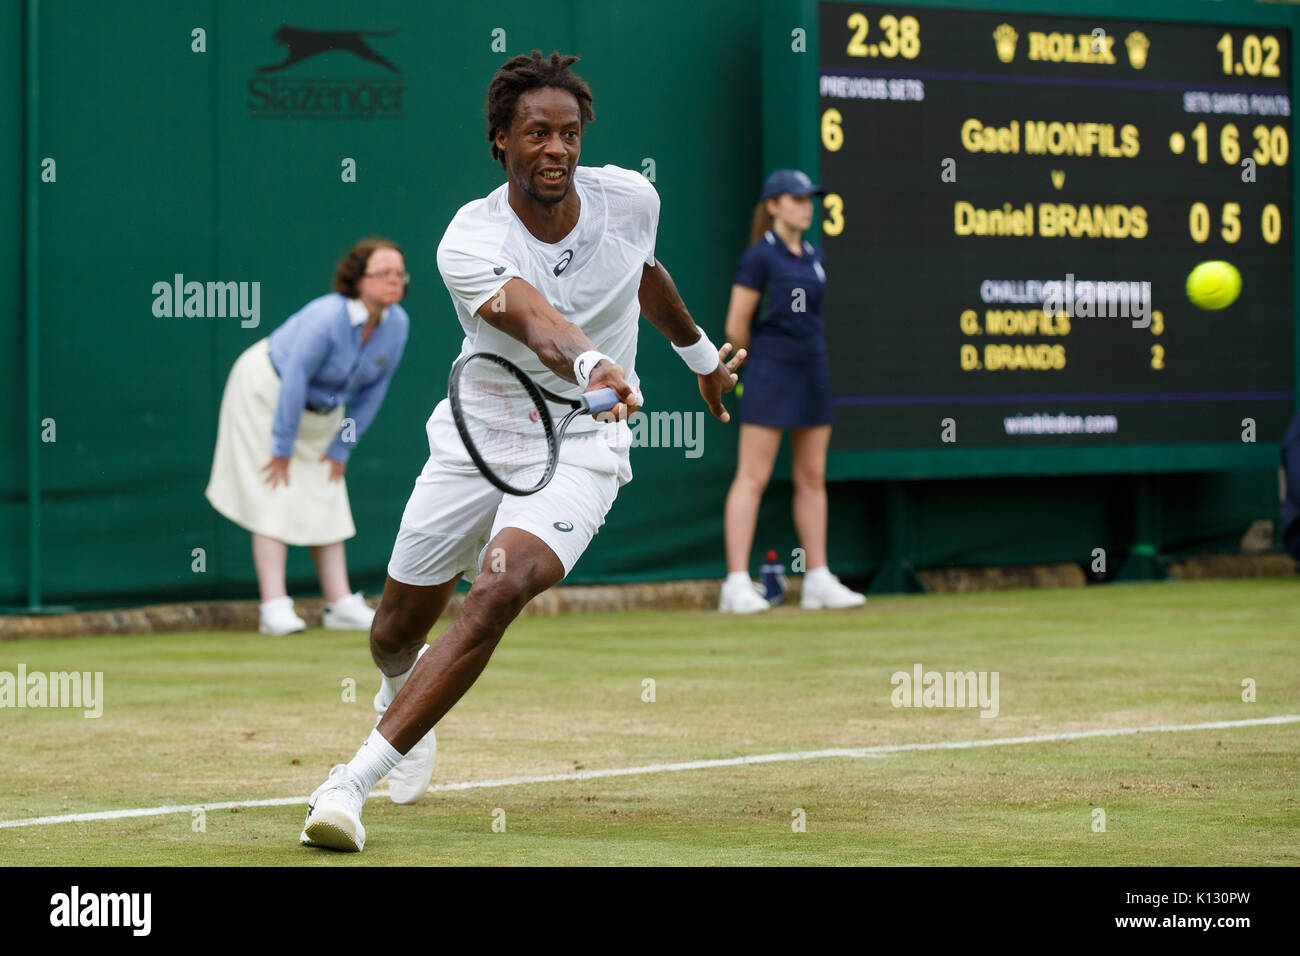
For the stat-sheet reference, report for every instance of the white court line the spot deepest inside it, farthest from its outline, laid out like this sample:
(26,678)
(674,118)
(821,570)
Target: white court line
(879,751)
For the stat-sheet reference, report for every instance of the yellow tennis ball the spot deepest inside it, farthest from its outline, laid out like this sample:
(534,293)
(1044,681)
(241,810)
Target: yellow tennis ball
(1214,285)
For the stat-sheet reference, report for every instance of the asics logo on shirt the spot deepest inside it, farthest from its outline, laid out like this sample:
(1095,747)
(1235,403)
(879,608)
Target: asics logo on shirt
(564,261)
(562,526)
(497,270)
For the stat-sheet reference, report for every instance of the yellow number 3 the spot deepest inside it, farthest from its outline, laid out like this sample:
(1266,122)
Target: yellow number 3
(833,223)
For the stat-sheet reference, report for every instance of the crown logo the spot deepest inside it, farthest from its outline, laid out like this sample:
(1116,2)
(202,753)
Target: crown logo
(1137,45)
(1005,39)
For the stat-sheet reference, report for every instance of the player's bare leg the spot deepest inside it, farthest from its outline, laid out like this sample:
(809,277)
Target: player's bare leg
(438,680)
(405,615)
(398,633)
(455,660)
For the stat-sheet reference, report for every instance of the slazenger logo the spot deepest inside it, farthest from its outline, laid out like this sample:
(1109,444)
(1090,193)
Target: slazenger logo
(103,909)
(340,97)
(562,526)
(564,261)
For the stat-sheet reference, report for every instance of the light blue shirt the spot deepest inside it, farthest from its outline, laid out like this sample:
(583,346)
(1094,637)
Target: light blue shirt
(320,360)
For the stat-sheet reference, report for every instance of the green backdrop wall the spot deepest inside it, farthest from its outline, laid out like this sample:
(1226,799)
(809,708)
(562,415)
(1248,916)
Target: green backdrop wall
(163,167)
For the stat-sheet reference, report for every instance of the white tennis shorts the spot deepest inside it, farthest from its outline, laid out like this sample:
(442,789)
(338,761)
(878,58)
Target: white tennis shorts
(454,512)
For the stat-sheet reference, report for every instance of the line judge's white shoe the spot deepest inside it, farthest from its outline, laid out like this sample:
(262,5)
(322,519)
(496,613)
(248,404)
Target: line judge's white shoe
(742,597)
(351,613)
(334,813)
(277,618)
(825,591)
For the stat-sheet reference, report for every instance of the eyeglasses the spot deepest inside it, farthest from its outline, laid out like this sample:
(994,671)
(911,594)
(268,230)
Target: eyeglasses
(389,274)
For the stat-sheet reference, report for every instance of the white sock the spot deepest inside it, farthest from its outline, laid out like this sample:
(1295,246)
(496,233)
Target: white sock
(275,602)
(373,761)
(817,574)
(390,686)
(735,576)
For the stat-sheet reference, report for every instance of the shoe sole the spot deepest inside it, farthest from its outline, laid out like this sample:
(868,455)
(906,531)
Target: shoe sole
(273,633)
(333,832)
(405,792)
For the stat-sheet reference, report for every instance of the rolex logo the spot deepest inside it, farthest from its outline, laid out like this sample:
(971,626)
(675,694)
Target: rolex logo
(1004,38)
(1137,45)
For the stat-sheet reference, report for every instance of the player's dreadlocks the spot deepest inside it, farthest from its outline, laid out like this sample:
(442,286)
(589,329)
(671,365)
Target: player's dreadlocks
(532,72)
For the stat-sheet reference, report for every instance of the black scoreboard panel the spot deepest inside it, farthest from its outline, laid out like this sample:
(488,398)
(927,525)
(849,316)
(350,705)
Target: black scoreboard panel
(1015,203)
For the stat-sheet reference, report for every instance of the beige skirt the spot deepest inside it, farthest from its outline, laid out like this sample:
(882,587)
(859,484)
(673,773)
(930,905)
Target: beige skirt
(311,509)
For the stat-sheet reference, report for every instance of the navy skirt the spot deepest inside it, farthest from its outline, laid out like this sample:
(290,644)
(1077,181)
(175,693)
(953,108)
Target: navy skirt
(785,391)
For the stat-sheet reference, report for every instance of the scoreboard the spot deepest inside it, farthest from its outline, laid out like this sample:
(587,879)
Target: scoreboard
(1015,200)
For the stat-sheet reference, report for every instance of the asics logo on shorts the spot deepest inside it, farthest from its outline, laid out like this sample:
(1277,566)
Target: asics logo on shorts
(562,526)
(564,261)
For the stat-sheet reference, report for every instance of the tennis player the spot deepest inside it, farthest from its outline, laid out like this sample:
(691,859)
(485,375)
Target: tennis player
(549,270)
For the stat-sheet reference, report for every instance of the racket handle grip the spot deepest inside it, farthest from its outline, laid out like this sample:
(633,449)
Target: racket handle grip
(601,400)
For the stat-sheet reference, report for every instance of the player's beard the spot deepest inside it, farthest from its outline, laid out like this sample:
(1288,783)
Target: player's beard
(526,184)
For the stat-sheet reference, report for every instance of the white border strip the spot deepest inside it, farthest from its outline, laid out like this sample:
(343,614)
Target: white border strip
(879,751)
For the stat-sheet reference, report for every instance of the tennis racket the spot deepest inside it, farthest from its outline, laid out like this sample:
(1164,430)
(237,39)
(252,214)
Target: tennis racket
(505,423)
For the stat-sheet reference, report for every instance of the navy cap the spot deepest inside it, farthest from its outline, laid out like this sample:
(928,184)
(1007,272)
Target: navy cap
(790,181)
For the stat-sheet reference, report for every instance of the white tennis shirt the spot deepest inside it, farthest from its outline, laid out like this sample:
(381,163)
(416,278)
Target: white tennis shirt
(591,276)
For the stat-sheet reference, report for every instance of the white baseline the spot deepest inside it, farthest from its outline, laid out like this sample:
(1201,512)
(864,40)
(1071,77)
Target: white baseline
(882,750)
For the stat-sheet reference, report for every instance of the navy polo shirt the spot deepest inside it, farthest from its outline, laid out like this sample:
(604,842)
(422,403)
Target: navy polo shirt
(787,327)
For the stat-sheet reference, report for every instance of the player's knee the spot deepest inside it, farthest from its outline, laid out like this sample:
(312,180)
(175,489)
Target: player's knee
(503,594)
(396,627)
(498,597)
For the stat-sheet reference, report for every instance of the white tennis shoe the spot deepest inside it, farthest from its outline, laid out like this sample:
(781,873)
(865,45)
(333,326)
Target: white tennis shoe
(277,618)
(409,780)
(826,592)
(742,597)
(334,813)
(351,613)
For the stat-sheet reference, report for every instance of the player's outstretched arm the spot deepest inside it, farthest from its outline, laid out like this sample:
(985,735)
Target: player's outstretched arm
(523,313)
(663,306)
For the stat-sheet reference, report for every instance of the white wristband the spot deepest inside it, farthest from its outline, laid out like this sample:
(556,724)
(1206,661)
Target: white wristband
(701,357)
(584,363)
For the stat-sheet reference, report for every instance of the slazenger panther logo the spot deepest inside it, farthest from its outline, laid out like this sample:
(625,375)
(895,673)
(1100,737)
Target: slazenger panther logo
(564,261)
(301,44)
(562,526)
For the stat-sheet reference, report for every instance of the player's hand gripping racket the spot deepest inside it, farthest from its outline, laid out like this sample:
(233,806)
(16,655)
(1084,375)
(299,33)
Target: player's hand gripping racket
(504,421)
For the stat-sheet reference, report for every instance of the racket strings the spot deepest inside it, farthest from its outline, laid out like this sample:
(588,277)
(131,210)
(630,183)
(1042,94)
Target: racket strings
(504,424)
